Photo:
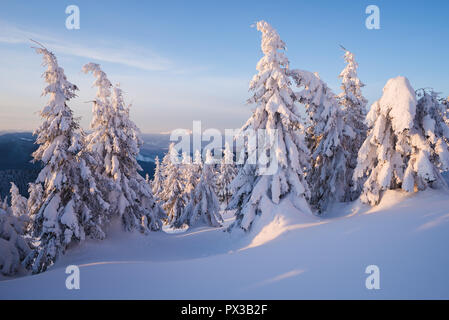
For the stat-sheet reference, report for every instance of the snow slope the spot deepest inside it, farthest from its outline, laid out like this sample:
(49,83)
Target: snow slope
(291,257)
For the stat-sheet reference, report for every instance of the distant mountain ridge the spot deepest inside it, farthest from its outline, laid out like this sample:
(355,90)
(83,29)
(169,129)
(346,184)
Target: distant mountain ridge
(16,166)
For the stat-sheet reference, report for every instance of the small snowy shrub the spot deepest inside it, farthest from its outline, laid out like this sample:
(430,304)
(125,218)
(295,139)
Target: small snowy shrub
(13,246)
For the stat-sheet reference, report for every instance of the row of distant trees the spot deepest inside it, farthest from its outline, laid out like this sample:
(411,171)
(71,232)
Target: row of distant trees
(190,192)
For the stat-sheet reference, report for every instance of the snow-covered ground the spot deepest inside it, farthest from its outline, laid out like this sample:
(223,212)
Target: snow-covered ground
(291,257)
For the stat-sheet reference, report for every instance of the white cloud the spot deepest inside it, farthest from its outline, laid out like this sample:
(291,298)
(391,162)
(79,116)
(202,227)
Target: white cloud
(134,57)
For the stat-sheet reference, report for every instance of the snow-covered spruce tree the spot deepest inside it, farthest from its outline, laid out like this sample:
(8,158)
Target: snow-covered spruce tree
(276,113)
(226,175)
(329,140)
(396,153)
(114,140)
(203,205)
(173,198)
(188,175)
(158,179)
(18,202)
(58,216)
(14,247)
(197,164)
(354,108)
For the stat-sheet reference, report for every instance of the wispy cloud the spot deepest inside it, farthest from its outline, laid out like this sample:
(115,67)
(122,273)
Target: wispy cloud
(140,58)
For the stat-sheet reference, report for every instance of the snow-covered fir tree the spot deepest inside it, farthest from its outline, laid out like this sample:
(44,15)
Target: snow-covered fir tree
(58,216)
(173,198)
(276,113)
(35,195)
(114,140)
(354,108)
(197,164)
(329,140)
(14,247)
(227,173)
(158,179)
(203,205)
(188,174)
(398,152)
(18,202)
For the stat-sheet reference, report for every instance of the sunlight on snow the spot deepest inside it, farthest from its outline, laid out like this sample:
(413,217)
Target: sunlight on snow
(278,278)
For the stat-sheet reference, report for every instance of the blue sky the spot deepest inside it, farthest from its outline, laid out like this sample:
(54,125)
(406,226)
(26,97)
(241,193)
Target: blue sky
(180,61)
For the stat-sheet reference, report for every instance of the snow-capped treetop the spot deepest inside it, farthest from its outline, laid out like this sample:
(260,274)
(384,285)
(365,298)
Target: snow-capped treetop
(197,159)
(99,140)
(166,161)
(228,155)
(101,82)
(57,134)
(271,44)
(173,155)
(58,85)
(186,159)
(399,101)
(352,99)
(209,158)
(113,134)
(271,86)
(351,84)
